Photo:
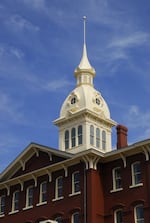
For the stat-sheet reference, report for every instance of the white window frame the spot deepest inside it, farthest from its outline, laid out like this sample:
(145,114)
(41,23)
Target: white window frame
(2,206)
(115,215)
(73,217)
(138,220)
(114,179)
(41,202)
(28,196)
(75,182)
(66,139)
(103,140)
(57,187)
(97,137)
(92,135)
(73,137)
(14,201)
(134,174)
(80,135)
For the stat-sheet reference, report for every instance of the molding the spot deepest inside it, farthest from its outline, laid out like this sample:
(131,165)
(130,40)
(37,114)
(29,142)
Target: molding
(35,180)
(8,189)
(91,162)
(49,175)
(21,184)
(65,169)
(123,157)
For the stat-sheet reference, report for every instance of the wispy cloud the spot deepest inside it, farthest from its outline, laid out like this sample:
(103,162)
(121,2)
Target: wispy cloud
(134,39)
(17,22)
(138,119)
(10,109)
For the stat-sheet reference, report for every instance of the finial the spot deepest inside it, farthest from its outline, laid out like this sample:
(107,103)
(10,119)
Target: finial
(84,23)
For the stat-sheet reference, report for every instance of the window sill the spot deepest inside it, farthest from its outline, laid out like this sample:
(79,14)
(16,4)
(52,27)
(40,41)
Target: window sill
(58,198)
(116,190)
(13,212)
(42,203)
(74,194)
(28,207)
(136,185)
(2,215)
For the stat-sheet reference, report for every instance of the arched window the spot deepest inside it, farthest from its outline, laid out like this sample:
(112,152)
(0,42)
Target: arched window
(97,137)
(59,187)
(79,134)
(58,219)
(29,196)
(136,173)
(2,204)
(103,140)
(139,214)
(75,182)
(66,139)
(92,135)
(118,216)
(73,137)
(15,201)
(43,192)
(75,218)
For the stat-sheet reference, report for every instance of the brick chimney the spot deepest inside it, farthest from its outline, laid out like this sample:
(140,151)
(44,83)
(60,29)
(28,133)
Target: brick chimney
(122,133)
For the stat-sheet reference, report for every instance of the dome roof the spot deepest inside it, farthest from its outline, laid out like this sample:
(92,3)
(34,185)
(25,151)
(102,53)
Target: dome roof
(85,97)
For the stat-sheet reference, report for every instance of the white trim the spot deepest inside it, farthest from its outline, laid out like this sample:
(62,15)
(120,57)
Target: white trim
(136,185)
(115,214)
(58,198)
(135,213)
(2,215)
(27,198)
(116,190)
(74,194)
(42,203)
(27,207)
(13,212)
(42,192)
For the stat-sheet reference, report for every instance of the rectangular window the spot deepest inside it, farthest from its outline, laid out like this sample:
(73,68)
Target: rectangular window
(2,204)
(59,187)
(75,182)
(118,216)
(92,135)
(15,201)
(79,134)
(139,214)
(43,192)
(136,173)
(75,218)
(117,180)
(29,198)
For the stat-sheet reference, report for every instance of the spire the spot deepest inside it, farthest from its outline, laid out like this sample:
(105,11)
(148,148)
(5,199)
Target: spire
(84,66)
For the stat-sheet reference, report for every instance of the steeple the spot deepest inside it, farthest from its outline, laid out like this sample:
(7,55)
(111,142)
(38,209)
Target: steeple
(84,72)
(84,121)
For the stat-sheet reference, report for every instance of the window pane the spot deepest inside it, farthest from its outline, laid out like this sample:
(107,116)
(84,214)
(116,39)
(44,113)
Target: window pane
(117,178)
(59,187)
(119,216)
(75,218)
(76,182)
(73,137)
(59,220)
(30,196)
(139,214)
(92,135)
(103,140)
(137,173)
(79,134)
(97,138)
(15,204)
(66,139)
(2,204)
(43,191)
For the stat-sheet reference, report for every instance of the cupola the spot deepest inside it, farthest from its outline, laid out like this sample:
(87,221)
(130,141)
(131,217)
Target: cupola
(84,120)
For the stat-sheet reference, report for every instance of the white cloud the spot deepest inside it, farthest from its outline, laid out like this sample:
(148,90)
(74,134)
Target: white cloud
(10,110)
(134,39)
(17,22)
(137,118)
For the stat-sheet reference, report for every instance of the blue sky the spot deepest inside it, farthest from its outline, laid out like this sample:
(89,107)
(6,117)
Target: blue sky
(40,46)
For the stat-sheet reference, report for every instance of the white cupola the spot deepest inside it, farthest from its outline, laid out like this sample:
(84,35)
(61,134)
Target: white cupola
(84,120)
